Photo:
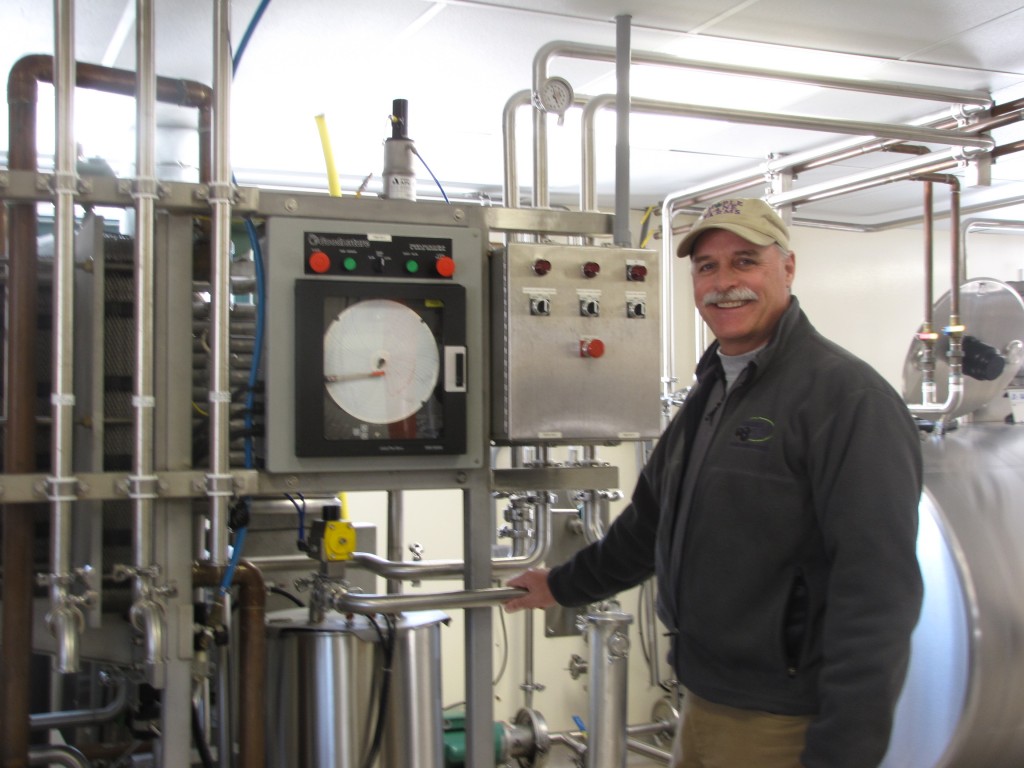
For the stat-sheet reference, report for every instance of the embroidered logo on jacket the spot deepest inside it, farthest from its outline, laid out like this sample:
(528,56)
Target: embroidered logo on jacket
(754,432)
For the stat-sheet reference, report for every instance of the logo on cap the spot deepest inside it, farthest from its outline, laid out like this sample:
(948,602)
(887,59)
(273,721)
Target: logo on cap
(722,208)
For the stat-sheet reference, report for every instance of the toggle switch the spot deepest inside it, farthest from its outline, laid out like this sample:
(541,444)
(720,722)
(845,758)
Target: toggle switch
(590,307)
(540,305)
(636,309)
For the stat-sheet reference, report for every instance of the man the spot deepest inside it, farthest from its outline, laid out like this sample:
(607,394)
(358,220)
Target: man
(779,515)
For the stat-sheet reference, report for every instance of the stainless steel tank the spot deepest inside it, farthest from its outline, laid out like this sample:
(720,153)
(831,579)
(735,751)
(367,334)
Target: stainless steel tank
(323,685)
(962,704)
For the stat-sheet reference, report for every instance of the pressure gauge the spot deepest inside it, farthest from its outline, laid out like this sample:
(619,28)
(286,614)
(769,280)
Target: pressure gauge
(381,361)
(555,95)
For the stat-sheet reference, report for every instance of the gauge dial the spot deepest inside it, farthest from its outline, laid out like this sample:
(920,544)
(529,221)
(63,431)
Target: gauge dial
(381,362)
(555,95)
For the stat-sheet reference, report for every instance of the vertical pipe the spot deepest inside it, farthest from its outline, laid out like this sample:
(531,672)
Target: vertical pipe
(609,675)
(956,257)
(65,618)
(510,191)
(588,160)
(929,226)
(252,663)
(396,533)
(927,334)
(218,481)
(478,532)
(622,235)
(20,435)
(146,613)
(541,193)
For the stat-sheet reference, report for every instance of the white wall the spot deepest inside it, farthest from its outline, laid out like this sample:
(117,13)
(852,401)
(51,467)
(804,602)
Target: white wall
(862,290)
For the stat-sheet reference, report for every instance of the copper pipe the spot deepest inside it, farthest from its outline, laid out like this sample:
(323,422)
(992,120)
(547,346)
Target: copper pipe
(38,68)
(1007,149)
(954,223)
(252,688)
(929,267)
(20,436)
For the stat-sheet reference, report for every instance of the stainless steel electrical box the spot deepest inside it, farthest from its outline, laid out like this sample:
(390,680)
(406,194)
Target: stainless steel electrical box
(575,344)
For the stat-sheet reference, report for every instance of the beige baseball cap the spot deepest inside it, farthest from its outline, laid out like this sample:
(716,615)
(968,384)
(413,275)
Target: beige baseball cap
(750,218)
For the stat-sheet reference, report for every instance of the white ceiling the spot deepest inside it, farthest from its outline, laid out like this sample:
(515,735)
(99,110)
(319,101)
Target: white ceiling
(459,62)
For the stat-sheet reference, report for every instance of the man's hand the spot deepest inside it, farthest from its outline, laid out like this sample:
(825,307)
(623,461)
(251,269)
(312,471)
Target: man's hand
(538,594)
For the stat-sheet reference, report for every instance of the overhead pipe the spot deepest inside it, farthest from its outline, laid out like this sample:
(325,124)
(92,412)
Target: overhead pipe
(570,49)
(252,685)
(746,179)
(977,224)
(20,434)
(219,483)
(603,53)
(818,157)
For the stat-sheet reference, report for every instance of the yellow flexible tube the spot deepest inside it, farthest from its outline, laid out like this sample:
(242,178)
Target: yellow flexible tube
(332,173)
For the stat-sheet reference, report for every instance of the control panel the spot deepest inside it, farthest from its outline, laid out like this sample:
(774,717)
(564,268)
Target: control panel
(374,346)
(576,344)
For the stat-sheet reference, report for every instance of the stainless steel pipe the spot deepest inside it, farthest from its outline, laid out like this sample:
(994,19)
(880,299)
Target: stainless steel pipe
(65,619)
(349,602)
(146,613)
(609,676)
(218,481)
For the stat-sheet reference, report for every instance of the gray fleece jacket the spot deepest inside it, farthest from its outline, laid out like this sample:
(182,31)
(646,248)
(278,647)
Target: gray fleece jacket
(791,583)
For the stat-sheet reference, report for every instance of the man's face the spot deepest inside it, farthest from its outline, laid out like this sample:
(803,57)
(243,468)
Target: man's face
(741,289)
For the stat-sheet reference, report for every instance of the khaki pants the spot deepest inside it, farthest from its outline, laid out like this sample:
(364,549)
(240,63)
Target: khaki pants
(715,736)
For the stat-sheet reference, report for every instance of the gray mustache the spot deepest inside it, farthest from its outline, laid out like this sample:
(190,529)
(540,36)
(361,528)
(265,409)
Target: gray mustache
(733,294)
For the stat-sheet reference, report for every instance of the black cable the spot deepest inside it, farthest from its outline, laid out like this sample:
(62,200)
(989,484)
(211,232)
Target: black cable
(197,736)
(388,649)
(285,593)
(640,623)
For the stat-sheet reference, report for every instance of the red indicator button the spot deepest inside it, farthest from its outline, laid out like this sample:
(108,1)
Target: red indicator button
(636,272)
(445,266)
(541,267)
(319,262)
(591,348)
(591,269)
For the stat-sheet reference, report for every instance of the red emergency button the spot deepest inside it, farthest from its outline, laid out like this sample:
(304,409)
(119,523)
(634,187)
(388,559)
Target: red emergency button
(541,267)
(591,269)
(636,272)
(319,262)
(591,348)
(445,266)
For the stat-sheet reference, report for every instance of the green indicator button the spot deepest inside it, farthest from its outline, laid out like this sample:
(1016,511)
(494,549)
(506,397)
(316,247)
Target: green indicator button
(349,264)
(412,266)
